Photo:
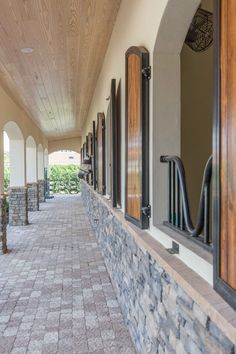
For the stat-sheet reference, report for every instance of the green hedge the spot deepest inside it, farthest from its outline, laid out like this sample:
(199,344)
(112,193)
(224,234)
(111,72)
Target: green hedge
(6,178)
(64,179)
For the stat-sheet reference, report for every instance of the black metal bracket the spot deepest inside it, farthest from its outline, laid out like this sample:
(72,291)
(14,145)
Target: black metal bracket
(147,210)
(147,72)
(174,249)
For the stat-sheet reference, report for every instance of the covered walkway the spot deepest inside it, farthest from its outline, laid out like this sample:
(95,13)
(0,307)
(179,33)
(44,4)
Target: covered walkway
(55,293)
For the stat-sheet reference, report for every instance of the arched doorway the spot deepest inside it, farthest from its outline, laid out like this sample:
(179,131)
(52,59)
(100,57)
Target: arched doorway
(63,172)
(18,213)
(41,173)
(31,174)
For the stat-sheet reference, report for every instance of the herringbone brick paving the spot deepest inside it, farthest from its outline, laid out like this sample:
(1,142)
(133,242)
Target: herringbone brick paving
(55,293)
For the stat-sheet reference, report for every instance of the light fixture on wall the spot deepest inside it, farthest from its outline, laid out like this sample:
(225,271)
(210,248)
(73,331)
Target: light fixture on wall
(27,50)
(200,34)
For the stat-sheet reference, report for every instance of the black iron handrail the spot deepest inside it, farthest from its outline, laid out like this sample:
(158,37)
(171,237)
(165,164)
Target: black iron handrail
(179,211)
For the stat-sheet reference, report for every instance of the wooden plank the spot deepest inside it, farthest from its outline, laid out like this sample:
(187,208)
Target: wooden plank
(109,144)
(118,126)
(134,167)
(228,144)
(137,137)
(69,39)
(90,144)
(101,172)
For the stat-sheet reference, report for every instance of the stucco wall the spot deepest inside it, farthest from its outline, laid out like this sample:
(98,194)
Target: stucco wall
(73,144)
(11,112)
(161,27)
(137,24)
(196,115)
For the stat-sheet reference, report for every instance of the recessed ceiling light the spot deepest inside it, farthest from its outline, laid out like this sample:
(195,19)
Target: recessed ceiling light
(26,50)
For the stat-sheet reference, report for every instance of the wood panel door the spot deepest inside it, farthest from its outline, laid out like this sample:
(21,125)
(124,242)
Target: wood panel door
(101,166)
(137,130)
(224,188)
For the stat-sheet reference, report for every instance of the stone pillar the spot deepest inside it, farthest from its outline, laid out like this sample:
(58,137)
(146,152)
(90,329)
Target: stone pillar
(41,191)
(33,196)
(3,224)
(18,206)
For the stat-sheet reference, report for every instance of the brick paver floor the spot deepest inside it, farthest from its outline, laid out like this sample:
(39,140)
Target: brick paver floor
(55,293)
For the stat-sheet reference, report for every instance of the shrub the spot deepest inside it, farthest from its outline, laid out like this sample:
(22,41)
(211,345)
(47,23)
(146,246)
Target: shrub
(64,179)
(6,178)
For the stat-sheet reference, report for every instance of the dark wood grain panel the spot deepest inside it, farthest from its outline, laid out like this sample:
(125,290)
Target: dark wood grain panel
(118,142)
(101,172)
(134,160)
(90,144)
(137,140)
(228,143)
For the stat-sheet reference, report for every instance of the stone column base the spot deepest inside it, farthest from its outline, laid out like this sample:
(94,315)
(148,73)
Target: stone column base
(3,224)
(33,196)
(18,209)
(41,191)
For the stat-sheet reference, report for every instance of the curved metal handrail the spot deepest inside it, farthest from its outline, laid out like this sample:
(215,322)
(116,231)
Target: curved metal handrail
(193,231)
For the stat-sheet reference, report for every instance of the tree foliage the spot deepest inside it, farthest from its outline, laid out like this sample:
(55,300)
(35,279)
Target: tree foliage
(64,179)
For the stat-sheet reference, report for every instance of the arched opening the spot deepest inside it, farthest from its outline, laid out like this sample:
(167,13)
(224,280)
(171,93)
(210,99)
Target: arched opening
(16,154)
(31,160)
(6,162)
(197,99)
(63,172)
(18,210)
(178,99)
(31,174)
(40,164)
(167,96)
(46,158)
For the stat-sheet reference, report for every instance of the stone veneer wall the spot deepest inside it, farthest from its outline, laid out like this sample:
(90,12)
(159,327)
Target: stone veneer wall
(41,191)
(33,196)
(3,224)
(161,316)
(18,206)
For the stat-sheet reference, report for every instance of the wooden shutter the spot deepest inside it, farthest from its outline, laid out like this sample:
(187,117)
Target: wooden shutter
(137,145)
(101,167)
(90,144)
(224,171)
(81,156)
(118,144)
(94,157)
(114,145)
(108,152)
(84,151)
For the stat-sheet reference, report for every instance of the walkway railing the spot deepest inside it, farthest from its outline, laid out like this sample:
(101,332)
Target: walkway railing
(179,215)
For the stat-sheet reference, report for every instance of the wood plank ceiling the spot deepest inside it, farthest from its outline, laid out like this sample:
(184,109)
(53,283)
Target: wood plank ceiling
(55,83)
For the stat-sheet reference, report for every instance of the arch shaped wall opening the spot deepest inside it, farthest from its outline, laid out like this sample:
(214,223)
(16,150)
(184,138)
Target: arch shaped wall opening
(166,137)
(40,162)
(46,158)
(64,157)
(6,146)
(197,97)
(31,160)
(16,154)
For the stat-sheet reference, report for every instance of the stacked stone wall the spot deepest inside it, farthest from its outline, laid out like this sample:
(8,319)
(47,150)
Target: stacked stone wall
(33,196)
(41,191)
(18,206)
(3,224)
(161,316)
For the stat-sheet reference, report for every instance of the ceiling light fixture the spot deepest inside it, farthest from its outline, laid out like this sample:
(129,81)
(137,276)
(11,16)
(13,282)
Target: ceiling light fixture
(26,50)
